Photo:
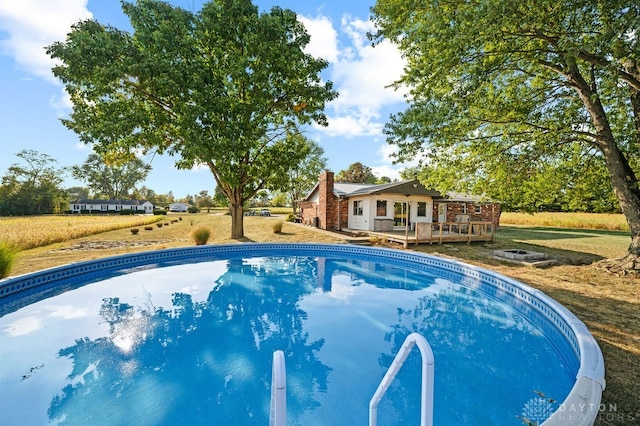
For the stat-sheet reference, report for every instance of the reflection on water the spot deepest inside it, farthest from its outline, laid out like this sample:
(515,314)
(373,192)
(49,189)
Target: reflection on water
(193,344)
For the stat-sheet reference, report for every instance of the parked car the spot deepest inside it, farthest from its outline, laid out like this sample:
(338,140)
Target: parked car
(265,212)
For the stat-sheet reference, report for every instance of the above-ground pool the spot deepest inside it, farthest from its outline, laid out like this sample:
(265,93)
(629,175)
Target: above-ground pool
(187,336)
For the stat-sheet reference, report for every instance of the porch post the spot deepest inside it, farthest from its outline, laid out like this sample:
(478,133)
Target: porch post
(406,223)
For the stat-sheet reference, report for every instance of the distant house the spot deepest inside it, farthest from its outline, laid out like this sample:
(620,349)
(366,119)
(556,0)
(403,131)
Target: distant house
(106,206)
(387,207)
(178,207)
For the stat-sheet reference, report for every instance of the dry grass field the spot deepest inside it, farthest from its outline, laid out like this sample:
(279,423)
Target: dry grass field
(611,222)
(35,231)
(608,304)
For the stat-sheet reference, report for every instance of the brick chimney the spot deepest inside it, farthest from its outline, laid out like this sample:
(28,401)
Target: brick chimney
(327,212)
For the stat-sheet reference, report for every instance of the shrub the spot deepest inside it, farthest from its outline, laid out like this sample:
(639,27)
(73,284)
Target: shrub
(160,212)
(127,211)
(148,228)
(193,209)
(135,231)
(159,225)
(7,257)
(201,235)
(166,223)
(277,227)
(291,217)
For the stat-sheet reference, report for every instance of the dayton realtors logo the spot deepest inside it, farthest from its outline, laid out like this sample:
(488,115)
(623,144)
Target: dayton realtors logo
(536,410)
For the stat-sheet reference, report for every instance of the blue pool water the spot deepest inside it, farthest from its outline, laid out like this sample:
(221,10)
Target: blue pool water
(192,343)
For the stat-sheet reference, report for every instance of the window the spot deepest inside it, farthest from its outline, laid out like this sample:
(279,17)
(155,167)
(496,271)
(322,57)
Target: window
(464,209)
(422,209)
(357,208)
(381,208)
(478,209)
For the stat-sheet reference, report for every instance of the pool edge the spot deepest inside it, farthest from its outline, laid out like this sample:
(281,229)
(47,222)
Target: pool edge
(580,407)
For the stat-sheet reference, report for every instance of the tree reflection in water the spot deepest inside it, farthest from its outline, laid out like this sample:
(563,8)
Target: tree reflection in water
(199,362)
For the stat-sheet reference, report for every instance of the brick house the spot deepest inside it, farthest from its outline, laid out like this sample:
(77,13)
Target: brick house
(333,205)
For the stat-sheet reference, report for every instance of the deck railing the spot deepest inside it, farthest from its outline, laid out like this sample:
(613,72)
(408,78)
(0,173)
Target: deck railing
(454,231)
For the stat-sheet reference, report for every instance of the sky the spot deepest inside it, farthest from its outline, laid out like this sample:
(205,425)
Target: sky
(32,100)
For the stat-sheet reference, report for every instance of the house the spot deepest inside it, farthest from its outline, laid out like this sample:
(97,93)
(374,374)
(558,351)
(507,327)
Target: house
(178,207)
(110,206)
(393,206)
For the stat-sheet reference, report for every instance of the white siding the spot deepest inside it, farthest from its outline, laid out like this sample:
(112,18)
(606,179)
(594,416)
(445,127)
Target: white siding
(366,222)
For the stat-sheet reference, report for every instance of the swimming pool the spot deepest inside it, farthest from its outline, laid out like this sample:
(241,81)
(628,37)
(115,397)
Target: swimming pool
(187,336)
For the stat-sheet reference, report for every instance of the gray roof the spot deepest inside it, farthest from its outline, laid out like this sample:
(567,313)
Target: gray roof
(407,187)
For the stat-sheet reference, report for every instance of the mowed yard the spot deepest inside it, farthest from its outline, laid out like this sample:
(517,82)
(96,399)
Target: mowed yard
(608,304)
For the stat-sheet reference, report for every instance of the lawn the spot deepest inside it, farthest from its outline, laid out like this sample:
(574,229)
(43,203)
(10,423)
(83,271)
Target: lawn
(608,304)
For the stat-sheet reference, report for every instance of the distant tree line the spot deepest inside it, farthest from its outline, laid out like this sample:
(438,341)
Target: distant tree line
(34,186)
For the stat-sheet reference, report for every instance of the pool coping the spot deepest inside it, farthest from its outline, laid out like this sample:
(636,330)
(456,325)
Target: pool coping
(580,407)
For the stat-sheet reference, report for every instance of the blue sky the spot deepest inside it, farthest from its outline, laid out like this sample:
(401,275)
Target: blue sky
(32,100)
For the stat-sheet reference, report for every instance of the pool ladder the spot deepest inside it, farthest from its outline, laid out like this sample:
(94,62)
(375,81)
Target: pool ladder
(278,383)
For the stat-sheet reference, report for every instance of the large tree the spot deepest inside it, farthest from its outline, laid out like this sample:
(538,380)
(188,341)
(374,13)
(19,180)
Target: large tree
(224,87)
(114,181)
(506,93)
(32,186)
(357,173)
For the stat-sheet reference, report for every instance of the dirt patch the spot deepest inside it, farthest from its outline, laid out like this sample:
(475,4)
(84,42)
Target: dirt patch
(106,245)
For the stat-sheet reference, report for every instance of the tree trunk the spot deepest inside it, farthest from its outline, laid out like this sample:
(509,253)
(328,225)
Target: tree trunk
(237,220)
(623,178)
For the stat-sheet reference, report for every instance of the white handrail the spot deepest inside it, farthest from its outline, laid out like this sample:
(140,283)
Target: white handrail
(426,398)
(278,413)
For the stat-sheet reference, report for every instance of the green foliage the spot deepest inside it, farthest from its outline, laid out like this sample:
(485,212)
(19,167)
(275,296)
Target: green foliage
(201,235)
(7,258)
(357,173)
(277,227)
(280,200)
(291,217)
(127,212)
(226,88)
(219,198)
(192,209)
(304,175)
(111,179)
(531,103)
(160,212)
(33,187)
(204,200)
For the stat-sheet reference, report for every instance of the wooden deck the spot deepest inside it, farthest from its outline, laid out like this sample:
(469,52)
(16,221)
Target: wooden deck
(441,232)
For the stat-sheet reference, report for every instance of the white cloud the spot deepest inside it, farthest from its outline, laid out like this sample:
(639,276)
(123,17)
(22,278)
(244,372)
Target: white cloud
(62,101)
(360,72)
(31,25)
(324,38)
(386,167)
(351,125)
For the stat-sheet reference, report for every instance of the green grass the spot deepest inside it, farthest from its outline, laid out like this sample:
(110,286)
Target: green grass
(587,245)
